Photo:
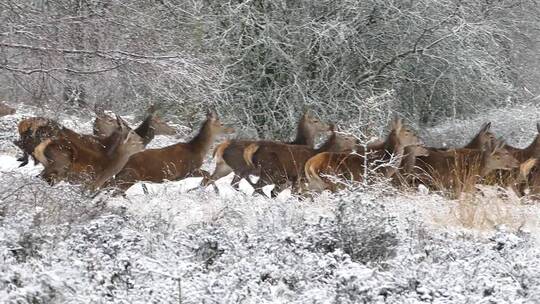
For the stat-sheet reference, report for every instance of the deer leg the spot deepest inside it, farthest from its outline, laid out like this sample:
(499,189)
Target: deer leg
(235,183)
(222,169)
(23,159)
(145,189)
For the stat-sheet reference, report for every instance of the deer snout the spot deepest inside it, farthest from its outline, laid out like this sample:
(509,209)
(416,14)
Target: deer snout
(228,130)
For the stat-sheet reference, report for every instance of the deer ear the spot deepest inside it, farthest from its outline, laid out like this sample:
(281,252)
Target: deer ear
(499,144)
(119,122)
(307,113)
(485,127)
(332,127)
(98,109)
(152,108)
(212,114)
(397,123)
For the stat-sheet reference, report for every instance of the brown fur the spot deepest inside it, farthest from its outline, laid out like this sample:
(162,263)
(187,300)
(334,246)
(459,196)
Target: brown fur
(32,131)
(351,165)
(280,164)
(230,157)
(173,162)
(152,125)
(75,158)
(458,170)
(512,178)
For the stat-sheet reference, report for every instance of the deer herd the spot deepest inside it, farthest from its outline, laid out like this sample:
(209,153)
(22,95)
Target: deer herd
(115,156)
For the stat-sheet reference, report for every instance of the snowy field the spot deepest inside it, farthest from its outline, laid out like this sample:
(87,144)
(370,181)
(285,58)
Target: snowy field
(185,244)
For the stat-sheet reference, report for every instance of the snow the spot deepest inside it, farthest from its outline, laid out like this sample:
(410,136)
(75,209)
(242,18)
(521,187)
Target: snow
(184,243)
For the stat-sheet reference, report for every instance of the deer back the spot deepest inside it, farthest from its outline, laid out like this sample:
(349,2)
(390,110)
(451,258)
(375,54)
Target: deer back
(173,162)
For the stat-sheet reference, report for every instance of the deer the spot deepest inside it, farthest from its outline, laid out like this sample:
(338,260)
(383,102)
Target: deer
(152,125)
(405,171)
(174,162)
(404,176)
(514,178)
(458,170)
(279,163)
(77,159)
(351,166)
(229,154)
(32,131)
(483,138)
(6,110)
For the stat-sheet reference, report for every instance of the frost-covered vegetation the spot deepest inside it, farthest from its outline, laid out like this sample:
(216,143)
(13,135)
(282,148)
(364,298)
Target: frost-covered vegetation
(446,66)
(364,245)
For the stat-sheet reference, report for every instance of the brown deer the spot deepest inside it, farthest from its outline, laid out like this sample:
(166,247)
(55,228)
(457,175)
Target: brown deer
(483,138)
(32,131)
(404,176)
(532,177)
(458,170)
(152,125)
(229,154)
(173,162)
(6,110)
(76,158)
(279,164)
(514,178)
(351,166)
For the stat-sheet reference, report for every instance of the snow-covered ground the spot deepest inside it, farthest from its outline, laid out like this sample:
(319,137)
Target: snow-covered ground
(184,244)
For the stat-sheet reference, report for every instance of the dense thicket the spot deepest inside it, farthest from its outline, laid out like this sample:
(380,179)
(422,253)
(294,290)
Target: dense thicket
(260,62)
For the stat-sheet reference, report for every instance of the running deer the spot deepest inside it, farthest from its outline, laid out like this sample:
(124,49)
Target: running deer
(279,164)
(152,125)
(6,110)
(351,166)
(32,131)
(173,162)
(229,154)
(459,170)
(76,158)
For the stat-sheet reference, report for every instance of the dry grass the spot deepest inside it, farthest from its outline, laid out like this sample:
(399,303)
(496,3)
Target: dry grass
(488,208)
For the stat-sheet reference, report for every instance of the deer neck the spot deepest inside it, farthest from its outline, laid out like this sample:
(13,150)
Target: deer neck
(146,130)
(304,135)
(117,161)
(409,161)
(392,146)
(484,169)
(201,143)
(474,143)
(533,150)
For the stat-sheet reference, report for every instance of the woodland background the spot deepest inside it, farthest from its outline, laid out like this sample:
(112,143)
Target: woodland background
(262,62)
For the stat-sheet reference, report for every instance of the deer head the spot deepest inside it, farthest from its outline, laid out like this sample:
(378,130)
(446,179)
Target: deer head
(342,142)
(162,128)
(215,124)
(123,144)
(483,138)
(405,135)
(496,157)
